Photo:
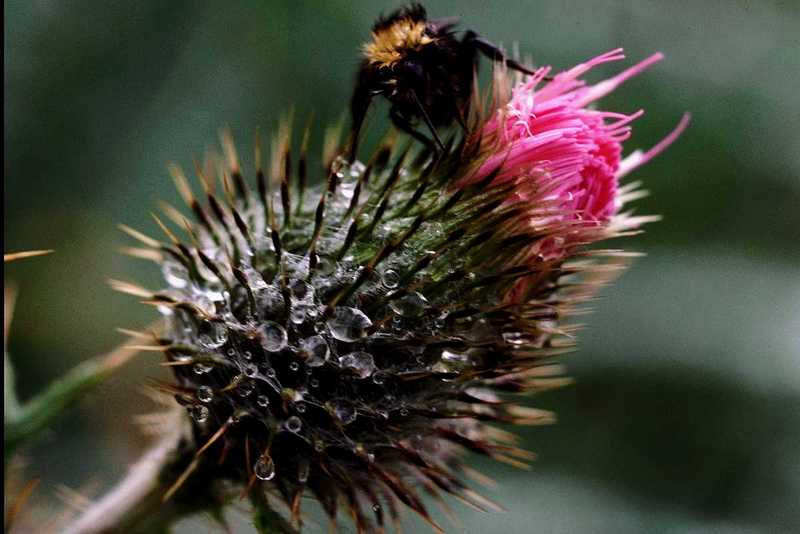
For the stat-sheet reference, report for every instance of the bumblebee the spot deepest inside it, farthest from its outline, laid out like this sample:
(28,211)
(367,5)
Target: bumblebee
(423,69)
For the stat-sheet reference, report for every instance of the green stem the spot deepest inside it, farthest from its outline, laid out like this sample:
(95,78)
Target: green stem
(136,504)
(23,422)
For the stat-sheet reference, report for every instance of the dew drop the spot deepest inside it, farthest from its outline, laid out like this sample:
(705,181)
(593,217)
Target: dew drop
(202,301)
(294,424)
(244,388)
(264,468)
(254,278)
(409,305)
(376,508)
(480,331)
(301,290)
(452,362)
(250,370)
(300,407)
(273,336)
(262,401)
(175,274)
(199,412)
(212,334)
(361,362)
(345,412)
(320,328)
(348,324)
(204,394)
(514,338)
(270,372)
(298,313)
(454,357)
(303,470)
(269,300)
(315,348)
(201,368)
(294,366)
(379,378)
(314,383)
(247,355)
(340,166)
(390,278)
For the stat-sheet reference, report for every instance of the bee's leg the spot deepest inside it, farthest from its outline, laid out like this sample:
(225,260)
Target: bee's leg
(460,116)
(428,122)
(358,111)
(491,51)
(404,125)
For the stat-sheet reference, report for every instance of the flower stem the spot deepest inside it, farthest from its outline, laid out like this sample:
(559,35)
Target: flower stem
(136,504)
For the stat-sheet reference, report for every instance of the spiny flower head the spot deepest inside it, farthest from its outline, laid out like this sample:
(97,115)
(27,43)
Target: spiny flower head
(352,340)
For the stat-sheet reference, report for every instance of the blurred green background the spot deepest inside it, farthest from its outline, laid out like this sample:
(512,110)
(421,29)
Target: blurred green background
(685,416)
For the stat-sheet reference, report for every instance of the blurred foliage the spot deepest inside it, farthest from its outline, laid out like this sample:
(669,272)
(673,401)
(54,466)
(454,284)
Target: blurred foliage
(684,415)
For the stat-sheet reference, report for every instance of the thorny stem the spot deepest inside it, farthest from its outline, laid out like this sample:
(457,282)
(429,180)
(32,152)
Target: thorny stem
(136,504)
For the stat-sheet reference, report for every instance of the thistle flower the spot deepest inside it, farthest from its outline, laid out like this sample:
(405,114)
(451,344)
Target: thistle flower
(354,340)
(567,156)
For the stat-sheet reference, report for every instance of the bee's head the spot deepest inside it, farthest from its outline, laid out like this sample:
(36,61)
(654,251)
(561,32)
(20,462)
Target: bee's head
(397,39)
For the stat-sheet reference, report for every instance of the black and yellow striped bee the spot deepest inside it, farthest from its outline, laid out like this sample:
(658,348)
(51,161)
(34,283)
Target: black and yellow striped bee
(423,69)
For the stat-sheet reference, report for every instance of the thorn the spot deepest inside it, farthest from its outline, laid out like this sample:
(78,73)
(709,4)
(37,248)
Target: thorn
(181,480)
(26,254)
(218,434)
(139,236)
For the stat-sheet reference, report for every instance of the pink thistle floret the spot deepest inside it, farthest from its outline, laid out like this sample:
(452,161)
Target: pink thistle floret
(564,156)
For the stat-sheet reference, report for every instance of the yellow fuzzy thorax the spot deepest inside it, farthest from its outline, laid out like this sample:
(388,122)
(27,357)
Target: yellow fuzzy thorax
(389,44)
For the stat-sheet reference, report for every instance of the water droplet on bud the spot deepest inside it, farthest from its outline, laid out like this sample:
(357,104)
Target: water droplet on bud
(212,334)
(293,424)
(273,336)
(175,274)
(245,388)
(303,470)
(201,368)
(409,305)
(361,362)
(264,468)
(204,394)
(250,370)
(348,324)
(390,278)
(345,412)
(315,348)
(379,378)
(199,412)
